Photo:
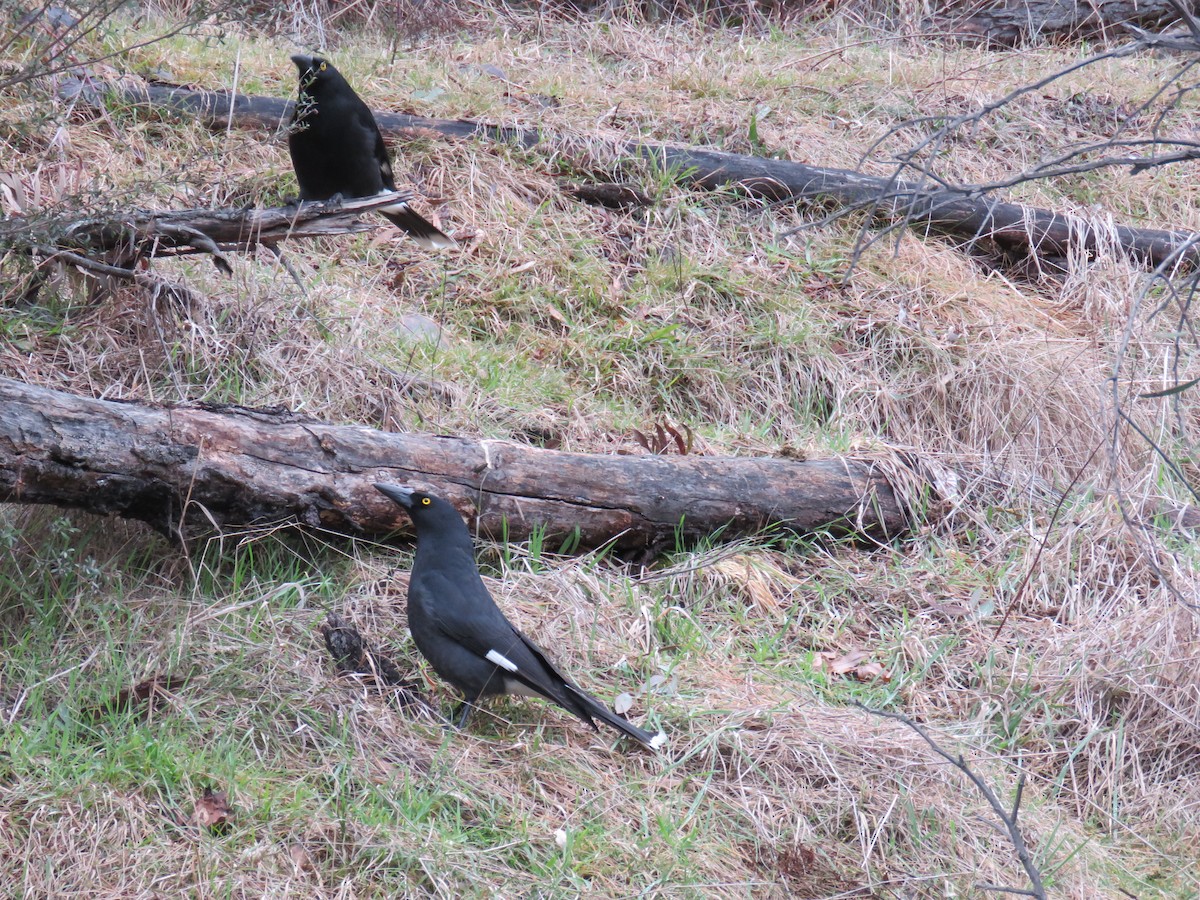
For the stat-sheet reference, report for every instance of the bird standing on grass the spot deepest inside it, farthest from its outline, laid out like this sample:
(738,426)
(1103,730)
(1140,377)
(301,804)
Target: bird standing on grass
(466,638)
(337,149)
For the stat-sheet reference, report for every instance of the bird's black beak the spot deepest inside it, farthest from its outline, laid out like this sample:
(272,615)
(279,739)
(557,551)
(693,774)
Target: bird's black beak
(303,63)
(397,493)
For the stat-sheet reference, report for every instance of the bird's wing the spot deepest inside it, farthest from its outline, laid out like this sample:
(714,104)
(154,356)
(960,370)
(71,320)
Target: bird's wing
(543,663)
(526,662)
(376,147)
(461,610)
(587,707)
(522,660)
(467,615)
(479,626)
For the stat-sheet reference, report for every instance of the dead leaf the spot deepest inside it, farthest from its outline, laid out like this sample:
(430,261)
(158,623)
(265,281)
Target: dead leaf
(213,811)
(847,662)
(950,610)
(301,858)
(140,699)
(743,571)
(623,704)
(665,438)
(872,671)
(852,663)
(684,447)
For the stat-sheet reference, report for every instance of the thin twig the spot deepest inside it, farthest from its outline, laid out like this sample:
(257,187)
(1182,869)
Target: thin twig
(1058,508)
(1009,818)
(91,265)
(1188,19)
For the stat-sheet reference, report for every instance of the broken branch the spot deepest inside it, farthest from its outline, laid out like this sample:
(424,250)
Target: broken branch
(122,241)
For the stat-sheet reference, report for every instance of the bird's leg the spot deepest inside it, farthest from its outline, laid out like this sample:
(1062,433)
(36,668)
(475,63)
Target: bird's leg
(464,714)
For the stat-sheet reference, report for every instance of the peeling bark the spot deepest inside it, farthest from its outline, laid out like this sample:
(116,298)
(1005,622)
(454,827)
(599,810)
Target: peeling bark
(191,470)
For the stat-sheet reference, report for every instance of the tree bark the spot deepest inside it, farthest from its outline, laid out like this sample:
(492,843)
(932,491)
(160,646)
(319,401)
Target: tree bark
(192,470)
(1006,230)
(1008,23)
(121,241)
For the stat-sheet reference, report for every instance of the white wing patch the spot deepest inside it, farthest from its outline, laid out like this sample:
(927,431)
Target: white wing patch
(495,656)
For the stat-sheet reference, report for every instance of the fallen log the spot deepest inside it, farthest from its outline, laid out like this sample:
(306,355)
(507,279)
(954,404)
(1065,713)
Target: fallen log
(121,241)
(192,470)
(1006,23)
(1005,230)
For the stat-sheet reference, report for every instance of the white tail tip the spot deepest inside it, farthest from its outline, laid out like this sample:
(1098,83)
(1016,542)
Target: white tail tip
(435,242)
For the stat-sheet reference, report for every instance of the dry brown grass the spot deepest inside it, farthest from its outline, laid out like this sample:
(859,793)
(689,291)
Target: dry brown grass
(576,323)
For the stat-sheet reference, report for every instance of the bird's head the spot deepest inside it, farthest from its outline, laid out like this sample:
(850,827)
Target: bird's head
(426,510)
(315,71)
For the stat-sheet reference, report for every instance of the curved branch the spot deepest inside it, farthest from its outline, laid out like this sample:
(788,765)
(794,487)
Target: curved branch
(1009,818)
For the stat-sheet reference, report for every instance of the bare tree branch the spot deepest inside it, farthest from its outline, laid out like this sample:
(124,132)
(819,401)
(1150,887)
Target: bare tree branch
(1008,817)
(51,51)
(1188,19)
(920,158)
(124,240)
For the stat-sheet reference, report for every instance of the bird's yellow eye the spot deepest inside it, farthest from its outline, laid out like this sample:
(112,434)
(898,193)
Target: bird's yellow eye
(324,66)
(425,501)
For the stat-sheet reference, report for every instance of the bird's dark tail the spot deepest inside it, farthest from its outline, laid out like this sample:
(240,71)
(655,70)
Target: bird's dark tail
(598,710)
(418,227)
(557,688)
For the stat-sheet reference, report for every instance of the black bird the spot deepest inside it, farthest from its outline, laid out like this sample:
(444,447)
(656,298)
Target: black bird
(337,149)
(466,638)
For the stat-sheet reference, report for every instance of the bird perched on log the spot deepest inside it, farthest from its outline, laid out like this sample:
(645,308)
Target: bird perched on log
(466,638)
(338,150)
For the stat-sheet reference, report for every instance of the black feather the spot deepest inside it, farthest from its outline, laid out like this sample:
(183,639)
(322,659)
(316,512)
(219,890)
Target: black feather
(337,149)
(457,626)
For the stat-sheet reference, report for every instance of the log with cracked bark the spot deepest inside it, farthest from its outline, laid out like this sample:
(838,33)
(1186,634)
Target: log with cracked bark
(1005,231)
(190,470)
